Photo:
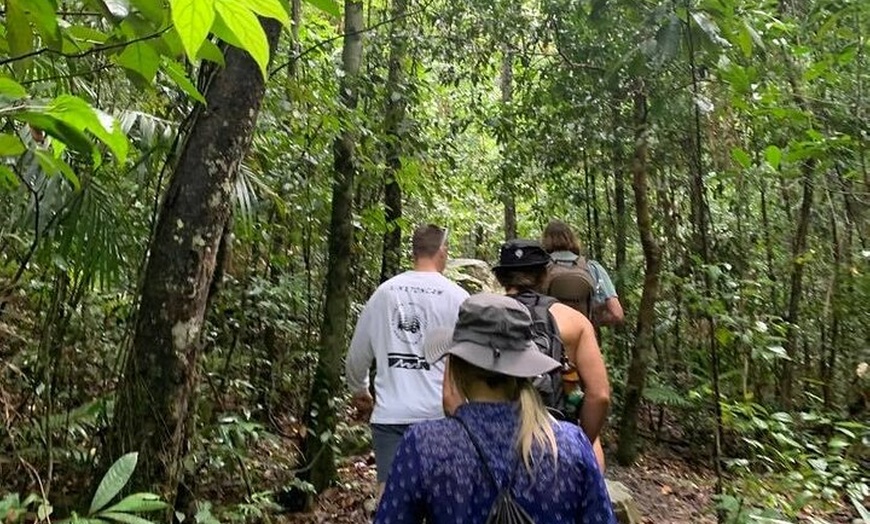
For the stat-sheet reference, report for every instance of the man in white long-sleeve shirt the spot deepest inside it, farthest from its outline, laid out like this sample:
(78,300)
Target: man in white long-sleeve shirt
(390,331)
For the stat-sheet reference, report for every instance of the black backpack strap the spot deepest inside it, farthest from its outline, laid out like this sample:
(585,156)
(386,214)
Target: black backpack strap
(480,454)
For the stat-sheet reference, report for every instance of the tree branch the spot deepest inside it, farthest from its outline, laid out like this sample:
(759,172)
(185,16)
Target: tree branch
(322,43)
(93,50)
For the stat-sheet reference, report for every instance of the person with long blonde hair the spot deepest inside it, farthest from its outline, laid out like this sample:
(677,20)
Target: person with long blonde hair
(499,438)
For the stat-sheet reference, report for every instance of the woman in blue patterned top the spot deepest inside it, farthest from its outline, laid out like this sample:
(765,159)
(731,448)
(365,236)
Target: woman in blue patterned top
(440,475)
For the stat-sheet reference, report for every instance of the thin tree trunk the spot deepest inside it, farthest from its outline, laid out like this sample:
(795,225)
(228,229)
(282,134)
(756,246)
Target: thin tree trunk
(508,192)
(394,130)
(156,391)
(701,211)
(799,247)
(589,241)
(768,250)
(333,336)
(645,331)
(619,175)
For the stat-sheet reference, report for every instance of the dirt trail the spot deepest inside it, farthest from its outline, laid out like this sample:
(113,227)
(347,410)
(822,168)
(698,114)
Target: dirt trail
(667,491)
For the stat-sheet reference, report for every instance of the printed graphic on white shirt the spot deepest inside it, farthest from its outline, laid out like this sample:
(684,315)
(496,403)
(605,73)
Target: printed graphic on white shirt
(408,321)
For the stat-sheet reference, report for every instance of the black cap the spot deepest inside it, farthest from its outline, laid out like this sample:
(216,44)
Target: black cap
(493,332)
(522,254)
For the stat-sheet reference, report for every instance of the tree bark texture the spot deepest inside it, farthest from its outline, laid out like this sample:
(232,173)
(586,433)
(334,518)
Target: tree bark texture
(645,330)
(394,123)
(333,336)
(156,391)
(799,247)
(509,199)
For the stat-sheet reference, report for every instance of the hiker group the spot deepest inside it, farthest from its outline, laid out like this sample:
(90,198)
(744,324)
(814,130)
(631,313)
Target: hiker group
(488,408)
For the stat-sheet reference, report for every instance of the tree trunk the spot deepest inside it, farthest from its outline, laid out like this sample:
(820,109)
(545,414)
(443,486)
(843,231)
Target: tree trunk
(394,130)
(799,246)
(645,331)
(619,175)
(333,336)
(508,191)
(155,393)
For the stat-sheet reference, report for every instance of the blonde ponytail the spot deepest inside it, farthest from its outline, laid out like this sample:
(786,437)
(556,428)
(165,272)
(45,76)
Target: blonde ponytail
(536,425)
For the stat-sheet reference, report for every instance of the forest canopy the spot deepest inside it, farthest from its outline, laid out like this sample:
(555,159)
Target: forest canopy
(197,197)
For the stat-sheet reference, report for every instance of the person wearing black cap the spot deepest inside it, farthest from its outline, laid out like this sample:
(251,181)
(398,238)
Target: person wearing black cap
(501,441)
(522,270)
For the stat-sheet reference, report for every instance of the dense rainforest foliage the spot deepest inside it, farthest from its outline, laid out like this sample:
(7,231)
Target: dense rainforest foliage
(197,197)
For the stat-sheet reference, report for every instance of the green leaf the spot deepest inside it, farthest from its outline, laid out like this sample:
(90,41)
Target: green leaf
(142,59)
(710,28)
(82,116)
(8,178)
(11,90)
(744,40)
(175,71)
(779,352)
(18,35)
(43,16)
(193,20)
(59,129)
(138,503)
(124,518)
(773,155)
(86,34)
(269,9)
(11,145)
(741,157)
(52,166)
(329,7)
(246,28)
(152,9)
(114,481)
(211,52)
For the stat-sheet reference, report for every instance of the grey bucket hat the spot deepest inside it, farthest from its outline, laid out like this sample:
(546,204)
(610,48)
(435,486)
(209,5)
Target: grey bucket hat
(493,332)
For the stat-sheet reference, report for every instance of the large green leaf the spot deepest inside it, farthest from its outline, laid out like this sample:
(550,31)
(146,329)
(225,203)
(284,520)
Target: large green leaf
(269,9)
(211,52)
(82,116)
(44,18)
(52,166)
(142,59)
(773,155)
(11,90)
(138,503)
(18,34)
(193,20)
(244,25)
(175,71)
(114,481)
(63,131)
(11,145)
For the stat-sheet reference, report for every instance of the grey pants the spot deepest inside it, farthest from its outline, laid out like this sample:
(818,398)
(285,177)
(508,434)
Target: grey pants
(385,440)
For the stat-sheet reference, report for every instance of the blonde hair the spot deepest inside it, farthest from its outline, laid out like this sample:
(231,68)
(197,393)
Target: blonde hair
(536,423)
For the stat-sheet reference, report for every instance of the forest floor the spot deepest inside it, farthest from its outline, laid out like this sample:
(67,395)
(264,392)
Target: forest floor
(667,490)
